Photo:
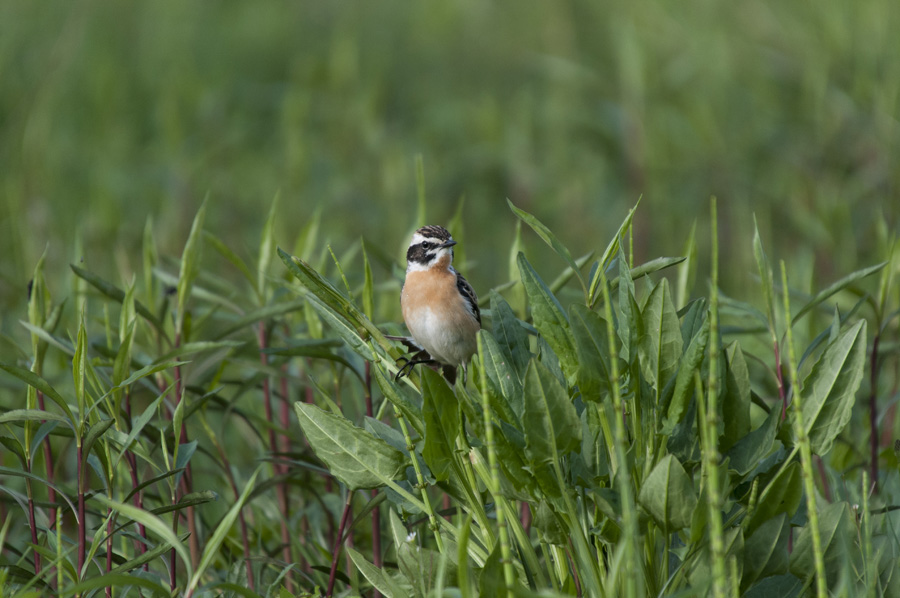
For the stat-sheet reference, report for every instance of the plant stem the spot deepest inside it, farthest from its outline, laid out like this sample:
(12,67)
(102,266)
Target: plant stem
(710,420)
(376,512)
(873,414)
(629,519)
(420,479)
(337,545)
(505,556)
(805,451)
(82,524)
(31,521)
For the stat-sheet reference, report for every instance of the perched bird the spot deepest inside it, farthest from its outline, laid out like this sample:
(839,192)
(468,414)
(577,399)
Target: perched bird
(439,306)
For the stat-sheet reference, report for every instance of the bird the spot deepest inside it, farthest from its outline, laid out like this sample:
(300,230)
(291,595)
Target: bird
(439,305)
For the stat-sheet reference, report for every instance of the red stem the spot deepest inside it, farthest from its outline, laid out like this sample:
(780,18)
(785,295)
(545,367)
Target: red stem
(285,447)
(48,463)
(32,524)
(109,541)
(82,523)
(873,416)
(780,378)
(376,512)
(337,545)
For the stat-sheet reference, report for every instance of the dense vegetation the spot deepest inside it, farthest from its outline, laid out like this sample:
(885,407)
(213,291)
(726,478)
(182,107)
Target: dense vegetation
(671,398)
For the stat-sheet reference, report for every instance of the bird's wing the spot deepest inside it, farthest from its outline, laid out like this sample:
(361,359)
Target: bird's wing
(469,296)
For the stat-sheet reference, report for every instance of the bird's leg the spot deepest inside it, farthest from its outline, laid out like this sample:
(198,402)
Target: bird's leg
(411,363)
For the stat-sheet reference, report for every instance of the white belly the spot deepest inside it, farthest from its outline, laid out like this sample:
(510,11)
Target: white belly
(443,338)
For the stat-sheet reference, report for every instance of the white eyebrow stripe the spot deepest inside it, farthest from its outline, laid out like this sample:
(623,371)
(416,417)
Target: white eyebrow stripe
(417,239)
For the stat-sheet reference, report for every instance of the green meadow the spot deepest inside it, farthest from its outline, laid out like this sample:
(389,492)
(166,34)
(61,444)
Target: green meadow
(681,221)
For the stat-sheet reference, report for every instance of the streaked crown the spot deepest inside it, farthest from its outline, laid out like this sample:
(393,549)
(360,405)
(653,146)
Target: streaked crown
(429,244)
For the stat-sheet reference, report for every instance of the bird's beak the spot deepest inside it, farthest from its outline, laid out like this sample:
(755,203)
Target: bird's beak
(449,243)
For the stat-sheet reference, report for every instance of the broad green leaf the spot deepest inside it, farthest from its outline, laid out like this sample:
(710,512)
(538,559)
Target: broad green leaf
(490,579)
(838,533)
(550,239)
(441,414)
(59,491)
(510,334)
(659,337)
(190,266)
(627,311)
(830,389)
(684,379)
(116,294)
(835,288)
(379,578)
(592,347)
(152,523)
(668,495)
(354,456)
(211,550)
(551,425)
(766,550)
(503,378)
(745,454)
(736,398)
(549,317)
(267,311)
(41,385)
(654,265)
(781,495)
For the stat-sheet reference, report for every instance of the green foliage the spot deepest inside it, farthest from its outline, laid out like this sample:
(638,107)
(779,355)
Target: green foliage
(584,450)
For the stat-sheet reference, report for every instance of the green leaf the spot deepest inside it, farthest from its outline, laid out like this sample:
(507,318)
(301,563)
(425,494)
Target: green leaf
(266,247)
(550,239)
(441,414)
(379,578)
(368,292)
(552,427)
(835,288)
(830,389)
(503,378)
(211,550)
(783,586)
(190,265)
(611,249)
(231,256)
(32,415)
(152,523)
(116,294)
(340,326)
(510,334)
(837,532)
(659,337)
(765,274)
(114,580)
(78,370)
(354,456)
(549,317)
(668,495)
(41,385)
(781,495)
(766,550)
(186,349)
(402,397)
(736,398)
(96,431)
(746,454)
(684,379)
(592,347)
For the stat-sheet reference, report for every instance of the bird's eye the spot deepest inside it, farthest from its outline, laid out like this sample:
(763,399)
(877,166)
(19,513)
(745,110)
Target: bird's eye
(427,245)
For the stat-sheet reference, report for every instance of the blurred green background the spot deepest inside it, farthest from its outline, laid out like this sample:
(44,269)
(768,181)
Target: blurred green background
(112,112)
